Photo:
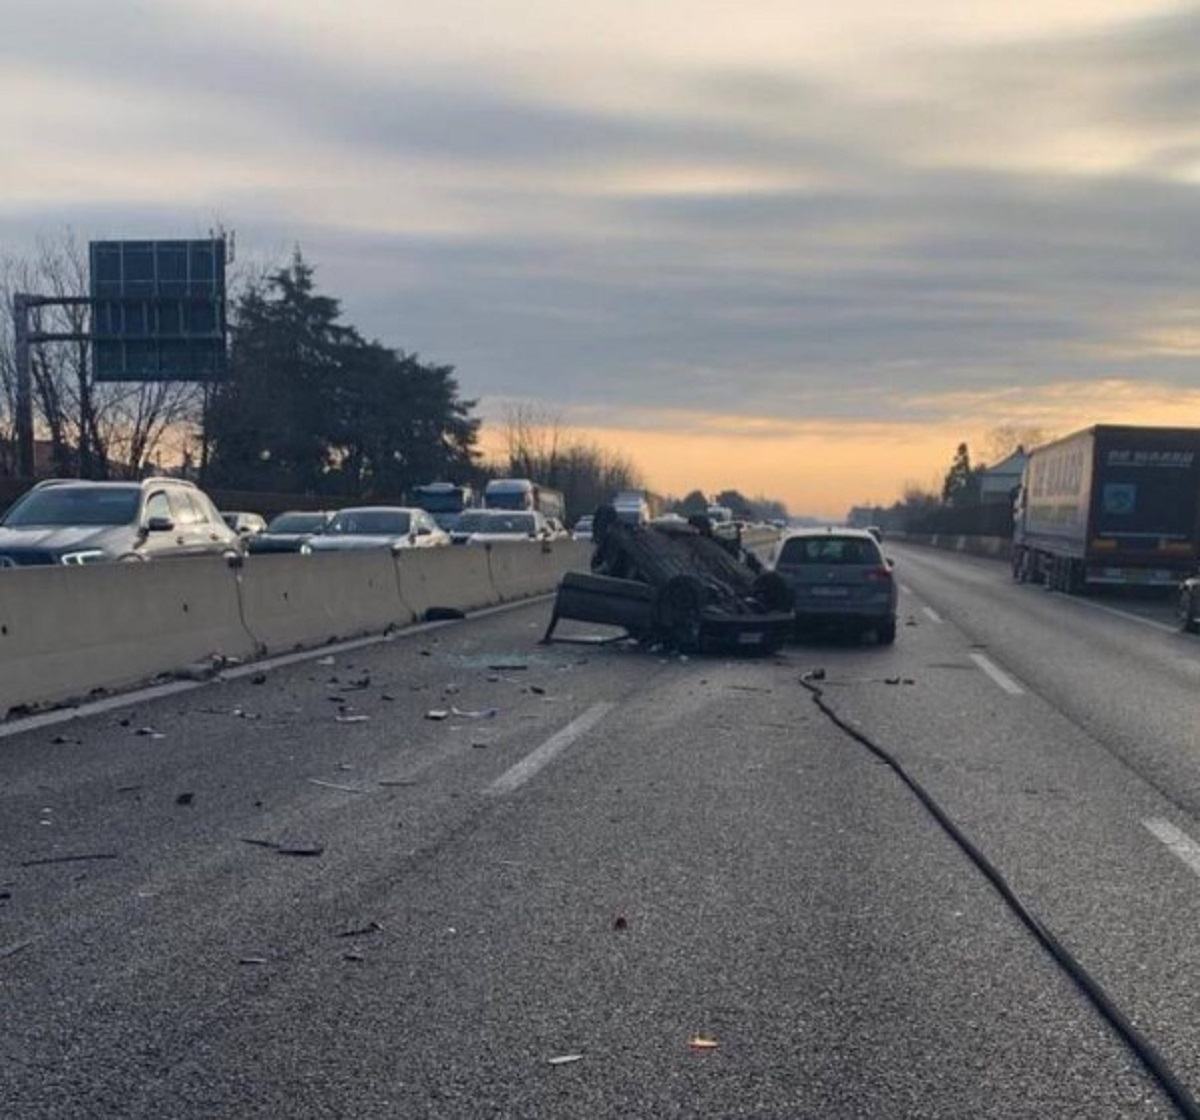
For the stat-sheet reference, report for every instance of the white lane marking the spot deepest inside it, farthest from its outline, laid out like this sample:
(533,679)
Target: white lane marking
(906,589)
(997,674)
(1179,843)
(933,615)
(519,774)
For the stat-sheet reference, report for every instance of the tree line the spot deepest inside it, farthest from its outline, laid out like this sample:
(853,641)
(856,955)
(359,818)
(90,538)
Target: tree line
(309,407)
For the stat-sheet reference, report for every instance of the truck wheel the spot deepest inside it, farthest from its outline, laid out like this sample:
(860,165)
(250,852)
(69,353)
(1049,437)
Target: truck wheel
(1188,622)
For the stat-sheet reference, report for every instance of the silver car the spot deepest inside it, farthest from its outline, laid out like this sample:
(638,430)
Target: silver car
(77,521)
(839,580)
(377,527)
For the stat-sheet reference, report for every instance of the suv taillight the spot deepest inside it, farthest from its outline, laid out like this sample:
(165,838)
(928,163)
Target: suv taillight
(879,575)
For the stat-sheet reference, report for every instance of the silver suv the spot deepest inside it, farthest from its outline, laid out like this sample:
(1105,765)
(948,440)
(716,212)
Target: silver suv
(71,521)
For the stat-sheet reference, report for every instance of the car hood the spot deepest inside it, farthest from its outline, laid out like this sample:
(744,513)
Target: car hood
(489,538)
(61,538)
(353,542)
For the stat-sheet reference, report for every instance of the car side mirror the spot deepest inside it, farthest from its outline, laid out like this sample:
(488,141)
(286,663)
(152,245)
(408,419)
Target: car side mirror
(424,531)
(159,525)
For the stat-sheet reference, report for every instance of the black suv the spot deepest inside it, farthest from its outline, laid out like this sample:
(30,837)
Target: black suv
(70,521)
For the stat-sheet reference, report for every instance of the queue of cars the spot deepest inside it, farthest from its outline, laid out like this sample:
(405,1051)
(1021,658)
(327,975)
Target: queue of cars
(76,521)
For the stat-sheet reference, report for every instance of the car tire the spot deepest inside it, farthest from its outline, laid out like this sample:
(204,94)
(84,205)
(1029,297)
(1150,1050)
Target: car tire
(885,633)
(773,591)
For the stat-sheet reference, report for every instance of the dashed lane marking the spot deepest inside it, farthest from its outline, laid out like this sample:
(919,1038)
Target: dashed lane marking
(998,675)
(516,776)
(1179,843)
(932,615)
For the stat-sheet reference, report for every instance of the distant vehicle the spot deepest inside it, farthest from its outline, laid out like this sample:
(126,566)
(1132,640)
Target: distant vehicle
(377,527)
(73,521)
(524,494)
(876,532)
(839,580)
(444,500)
(485,526)
(719,515)
(1111,504)
(632,507)
(583,528)
(288,531)
(244,523)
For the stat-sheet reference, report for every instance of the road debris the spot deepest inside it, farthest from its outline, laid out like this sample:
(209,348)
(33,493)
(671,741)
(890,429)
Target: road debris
(185,799)
(620,923)
(362,931)
(296,848)
(564,1059)
(480,713)
(337,785)
(330,660)
(351,719)
(66,740)
(702,1042)
(397,781)
(150,733)
(81,857)
(437,714)
(252,960)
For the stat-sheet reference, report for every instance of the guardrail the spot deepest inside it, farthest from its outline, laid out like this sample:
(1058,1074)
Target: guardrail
(68,633)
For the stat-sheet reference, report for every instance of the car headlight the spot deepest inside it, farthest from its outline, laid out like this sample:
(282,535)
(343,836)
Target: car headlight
(84,556)
(306,549)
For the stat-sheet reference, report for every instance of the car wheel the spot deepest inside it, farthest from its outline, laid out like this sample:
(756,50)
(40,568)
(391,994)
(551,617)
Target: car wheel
(132,558)
(773,591)
(885,633)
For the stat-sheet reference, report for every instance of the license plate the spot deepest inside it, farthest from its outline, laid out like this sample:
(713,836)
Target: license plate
(830,592)
(751,639)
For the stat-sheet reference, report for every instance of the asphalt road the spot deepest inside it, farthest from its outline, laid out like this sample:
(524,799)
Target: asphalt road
(612,884)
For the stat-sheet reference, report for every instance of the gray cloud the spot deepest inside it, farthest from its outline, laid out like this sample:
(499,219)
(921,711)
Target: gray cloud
(889,273)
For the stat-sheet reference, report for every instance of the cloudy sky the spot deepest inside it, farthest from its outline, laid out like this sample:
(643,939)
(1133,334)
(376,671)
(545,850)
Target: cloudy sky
(797,248)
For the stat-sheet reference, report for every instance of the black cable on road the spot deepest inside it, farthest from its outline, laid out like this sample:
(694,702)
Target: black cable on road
(1130,1035)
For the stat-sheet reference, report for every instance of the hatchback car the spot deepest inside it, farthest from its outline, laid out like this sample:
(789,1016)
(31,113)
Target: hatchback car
(243,522)
(372,527)
(72,521)
(485,526)
(840,580)
(288,532)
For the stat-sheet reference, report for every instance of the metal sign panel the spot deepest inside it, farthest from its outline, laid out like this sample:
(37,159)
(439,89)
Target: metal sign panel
(158,310)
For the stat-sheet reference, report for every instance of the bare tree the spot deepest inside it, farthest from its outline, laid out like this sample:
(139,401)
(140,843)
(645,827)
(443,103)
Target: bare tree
(96,429)
(533,438)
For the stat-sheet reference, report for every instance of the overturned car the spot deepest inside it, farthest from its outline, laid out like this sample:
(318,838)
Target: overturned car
(676,586)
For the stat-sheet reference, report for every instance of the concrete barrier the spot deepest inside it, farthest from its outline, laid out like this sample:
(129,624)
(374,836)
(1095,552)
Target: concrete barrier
(457,577)
(291,601)
(67,632)
(519,570)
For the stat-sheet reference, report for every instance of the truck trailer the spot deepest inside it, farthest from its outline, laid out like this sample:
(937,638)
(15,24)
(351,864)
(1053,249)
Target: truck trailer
(1112,505)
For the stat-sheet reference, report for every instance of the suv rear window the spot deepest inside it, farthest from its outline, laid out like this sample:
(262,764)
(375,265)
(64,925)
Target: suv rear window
(829,549)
